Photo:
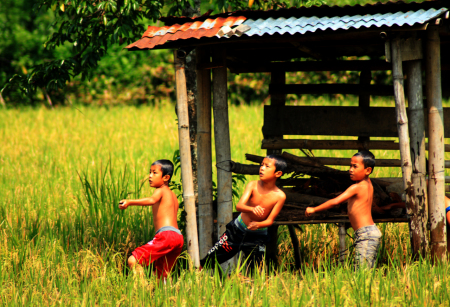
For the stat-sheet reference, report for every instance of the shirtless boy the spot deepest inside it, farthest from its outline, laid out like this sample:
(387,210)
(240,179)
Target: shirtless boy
(259,206)
(167,244)
(359,197)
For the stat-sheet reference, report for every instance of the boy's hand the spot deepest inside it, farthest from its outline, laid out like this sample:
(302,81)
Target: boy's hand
(258,211)
(123,204)
(309,211)
(253,226)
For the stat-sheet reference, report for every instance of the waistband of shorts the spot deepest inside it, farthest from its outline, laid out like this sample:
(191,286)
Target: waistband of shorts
(241,225)
(367,228)
(447,209)
(168,228)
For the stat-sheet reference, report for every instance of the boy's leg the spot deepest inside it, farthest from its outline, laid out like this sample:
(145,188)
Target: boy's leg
(254,248)
(366,246)
(226,248)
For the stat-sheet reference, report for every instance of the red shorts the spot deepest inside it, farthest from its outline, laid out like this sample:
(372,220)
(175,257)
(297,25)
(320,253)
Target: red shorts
(163,250)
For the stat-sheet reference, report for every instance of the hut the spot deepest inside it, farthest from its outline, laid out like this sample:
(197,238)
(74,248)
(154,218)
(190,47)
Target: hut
(404,38)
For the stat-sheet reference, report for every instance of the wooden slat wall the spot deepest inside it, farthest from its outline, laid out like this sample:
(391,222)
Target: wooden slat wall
(342,121)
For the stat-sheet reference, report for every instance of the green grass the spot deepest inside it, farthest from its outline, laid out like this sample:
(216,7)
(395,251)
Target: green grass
(64,240)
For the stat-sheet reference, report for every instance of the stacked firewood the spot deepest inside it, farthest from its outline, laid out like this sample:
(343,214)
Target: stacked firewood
(308,184)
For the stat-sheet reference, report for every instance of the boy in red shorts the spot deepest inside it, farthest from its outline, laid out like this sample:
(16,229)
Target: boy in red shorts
(168,242)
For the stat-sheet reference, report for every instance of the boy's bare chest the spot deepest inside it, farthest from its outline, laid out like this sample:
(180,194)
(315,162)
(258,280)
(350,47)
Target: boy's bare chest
(262,199)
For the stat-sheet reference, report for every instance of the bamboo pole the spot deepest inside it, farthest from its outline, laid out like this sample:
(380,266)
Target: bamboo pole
(222,143)
(402,122)
(185,155)
(419,214)
(204,156)
(436,181)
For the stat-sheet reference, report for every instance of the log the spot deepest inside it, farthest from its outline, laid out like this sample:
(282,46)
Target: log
(185,156)
(310,170)
(340,220)
(342,245)
(332,144)
(204,156)
(244,169)
(320,89)
(303,198)
(402,122)
(436,182)
(419,216)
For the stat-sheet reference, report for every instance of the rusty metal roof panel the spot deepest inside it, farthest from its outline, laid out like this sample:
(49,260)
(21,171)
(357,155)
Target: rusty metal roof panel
(302,25)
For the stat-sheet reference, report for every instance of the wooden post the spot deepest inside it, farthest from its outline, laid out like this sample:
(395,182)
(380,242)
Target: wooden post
(295,246)
(204,156)
(222,142)
(342,245)
(402,122)
(364,79)
(185,155)
(436,179)
(419,214)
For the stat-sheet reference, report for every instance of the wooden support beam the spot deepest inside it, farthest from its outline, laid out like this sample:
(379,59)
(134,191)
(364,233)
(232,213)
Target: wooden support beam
(402,122)
(341,220)
(358,65)
(320,89)
(342,245)
(318,120)
(222,143)
(332,144)
(364,80)
(295,247)
(436,181)
(204,155)
(185,155)
(419,214)
(277,78)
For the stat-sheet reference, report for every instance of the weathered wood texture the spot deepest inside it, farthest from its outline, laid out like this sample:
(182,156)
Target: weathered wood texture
(342,245)
(222,143)
(277,78)
(342,88)
(185,155)
(364,80)
(332,144)
(419,214)
(312,66)
(340,220)
(204,156)
(402,124)
(436,195)
(344,121)
(295,246)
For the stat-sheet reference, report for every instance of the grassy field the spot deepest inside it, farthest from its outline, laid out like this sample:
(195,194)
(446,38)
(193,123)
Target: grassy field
(64,240)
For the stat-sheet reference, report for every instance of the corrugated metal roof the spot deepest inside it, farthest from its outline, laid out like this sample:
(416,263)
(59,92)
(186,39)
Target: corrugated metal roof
(159,35)
(210,27)
(311,24)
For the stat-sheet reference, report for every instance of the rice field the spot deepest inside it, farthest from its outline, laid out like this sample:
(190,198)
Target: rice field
(64,241)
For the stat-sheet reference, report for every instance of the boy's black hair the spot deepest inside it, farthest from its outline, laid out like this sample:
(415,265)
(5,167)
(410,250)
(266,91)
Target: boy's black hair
(280,163)
(166,167)
(368,158)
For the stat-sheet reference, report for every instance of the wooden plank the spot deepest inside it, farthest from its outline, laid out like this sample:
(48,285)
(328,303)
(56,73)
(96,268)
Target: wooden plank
(357,65)
(344,121)
(320,89)
(342,220)
(332,144)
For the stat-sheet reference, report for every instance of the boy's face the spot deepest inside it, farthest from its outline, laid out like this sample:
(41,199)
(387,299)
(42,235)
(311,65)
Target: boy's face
(357,170)
(156,178)
(267,170)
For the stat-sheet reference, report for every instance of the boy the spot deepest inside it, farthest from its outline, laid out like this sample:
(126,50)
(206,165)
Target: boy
(359,197)
(259,206)
(167,244)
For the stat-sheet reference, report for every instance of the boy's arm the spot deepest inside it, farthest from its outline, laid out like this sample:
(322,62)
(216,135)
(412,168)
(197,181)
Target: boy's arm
(149,201)
(273,214)
(351,191)
(242,204)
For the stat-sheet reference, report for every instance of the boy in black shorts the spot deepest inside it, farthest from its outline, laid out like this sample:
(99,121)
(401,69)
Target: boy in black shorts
(259,206)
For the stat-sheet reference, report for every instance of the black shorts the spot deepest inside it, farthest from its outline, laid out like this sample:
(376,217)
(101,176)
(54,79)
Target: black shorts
(234,240)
